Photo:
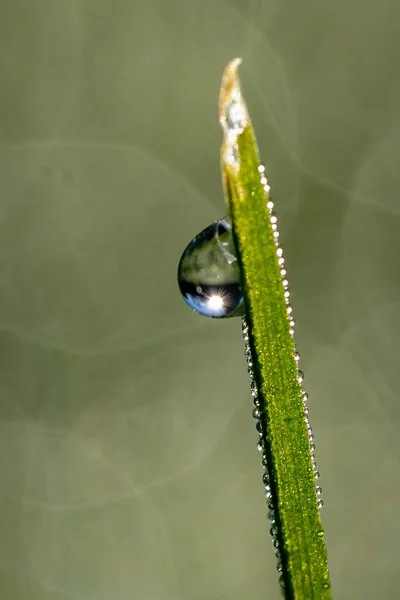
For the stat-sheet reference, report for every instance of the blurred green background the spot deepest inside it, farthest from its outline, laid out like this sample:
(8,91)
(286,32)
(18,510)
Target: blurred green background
(128,462)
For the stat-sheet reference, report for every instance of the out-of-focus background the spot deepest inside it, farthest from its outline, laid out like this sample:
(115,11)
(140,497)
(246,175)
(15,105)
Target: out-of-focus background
(128,462)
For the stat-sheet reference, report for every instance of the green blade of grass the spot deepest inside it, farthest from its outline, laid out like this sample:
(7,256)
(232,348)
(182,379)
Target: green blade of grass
(284,432)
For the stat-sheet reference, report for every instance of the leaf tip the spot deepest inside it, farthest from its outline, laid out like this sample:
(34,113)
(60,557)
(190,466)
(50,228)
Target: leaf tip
(230,93)
(233,115)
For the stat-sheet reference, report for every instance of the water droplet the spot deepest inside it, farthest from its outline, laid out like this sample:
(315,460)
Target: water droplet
(256,414)
(236,117)
(271,516)
(253,389)
(317,474)
(259,446)
(320,503)
(208,273)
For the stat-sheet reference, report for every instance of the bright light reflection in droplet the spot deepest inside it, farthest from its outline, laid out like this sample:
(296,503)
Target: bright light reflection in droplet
(215,302)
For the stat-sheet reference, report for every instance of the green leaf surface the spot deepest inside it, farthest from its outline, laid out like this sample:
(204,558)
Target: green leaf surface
(284,430)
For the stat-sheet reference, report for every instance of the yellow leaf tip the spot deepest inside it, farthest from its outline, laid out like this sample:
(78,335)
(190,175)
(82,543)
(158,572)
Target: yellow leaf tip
(230,85)
(233,115)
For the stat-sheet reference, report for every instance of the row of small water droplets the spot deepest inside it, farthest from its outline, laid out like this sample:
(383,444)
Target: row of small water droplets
(300,375)
(261,447)
(300,378)
(289,309)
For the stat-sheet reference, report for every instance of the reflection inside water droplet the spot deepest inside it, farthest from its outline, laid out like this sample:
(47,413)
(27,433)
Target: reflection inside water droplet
(208,274)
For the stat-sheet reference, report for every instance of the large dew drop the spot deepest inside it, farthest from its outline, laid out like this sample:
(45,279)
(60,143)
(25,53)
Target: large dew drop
(208,273)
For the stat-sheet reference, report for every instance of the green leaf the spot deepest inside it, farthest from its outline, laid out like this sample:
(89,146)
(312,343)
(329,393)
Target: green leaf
(284,432)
